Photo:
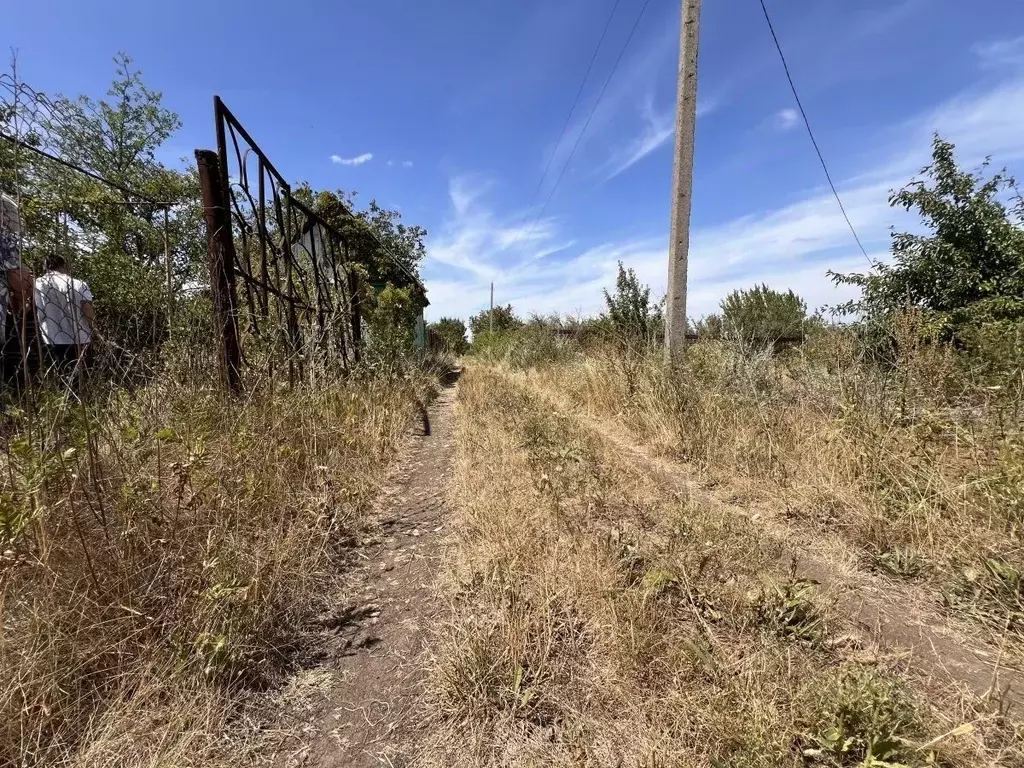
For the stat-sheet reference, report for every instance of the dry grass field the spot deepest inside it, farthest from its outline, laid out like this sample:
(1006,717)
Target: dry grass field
(599,619)
(160,553)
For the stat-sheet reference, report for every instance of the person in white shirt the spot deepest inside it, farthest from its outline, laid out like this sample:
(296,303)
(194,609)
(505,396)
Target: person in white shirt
(64,315)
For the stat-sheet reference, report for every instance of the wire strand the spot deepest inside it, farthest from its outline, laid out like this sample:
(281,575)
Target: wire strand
(810,133)
(590,117)
(79,169)
(576,100)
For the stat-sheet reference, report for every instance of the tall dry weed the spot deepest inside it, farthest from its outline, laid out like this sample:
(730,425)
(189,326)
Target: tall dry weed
(598,621)
(161,550)
(906,450)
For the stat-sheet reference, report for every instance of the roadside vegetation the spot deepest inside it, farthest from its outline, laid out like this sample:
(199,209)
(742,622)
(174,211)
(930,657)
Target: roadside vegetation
(602,620)
(165,549)
(599,619)
(163,552)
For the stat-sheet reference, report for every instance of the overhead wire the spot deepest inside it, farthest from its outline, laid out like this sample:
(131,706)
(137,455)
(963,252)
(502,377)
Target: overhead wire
(810,133)
(80,169)
(565,125)
(590,117)
(576,101)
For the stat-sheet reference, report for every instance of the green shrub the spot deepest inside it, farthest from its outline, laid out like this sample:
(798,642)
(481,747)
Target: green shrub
(452,333)
(968,271)
(759,315)
(631,316)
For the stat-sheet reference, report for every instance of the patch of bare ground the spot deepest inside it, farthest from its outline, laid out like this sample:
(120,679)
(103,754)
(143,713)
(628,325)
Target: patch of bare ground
(604,613)
(368,650)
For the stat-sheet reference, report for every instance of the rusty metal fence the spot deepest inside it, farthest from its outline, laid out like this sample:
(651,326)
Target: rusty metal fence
(288,286)
(283,281)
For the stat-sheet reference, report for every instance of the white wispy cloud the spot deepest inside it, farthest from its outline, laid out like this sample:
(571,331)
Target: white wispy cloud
(659,126)
(1001,53)
(357,160)
(786,119)
(658,129)
(407,163)
(791,246)
(637,75)
(478,245)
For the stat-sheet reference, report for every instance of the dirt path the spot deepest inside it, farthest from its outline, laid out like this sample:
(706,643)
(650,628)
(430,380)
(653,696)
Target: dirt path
(895,616)
(373,717)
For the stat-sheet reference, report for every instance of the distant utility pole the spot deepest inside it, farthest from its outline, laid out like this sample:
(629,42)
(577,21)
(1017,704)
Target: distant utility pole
(682,182)
(492,309)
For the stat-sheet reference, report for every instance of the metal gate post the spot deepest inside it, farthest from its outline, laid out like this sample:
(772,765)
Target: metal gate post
(357,325)
(221,252)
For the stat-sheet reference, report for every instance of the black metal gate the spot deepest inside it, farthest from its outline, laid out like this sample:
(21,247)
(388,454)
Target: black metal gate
(284,287)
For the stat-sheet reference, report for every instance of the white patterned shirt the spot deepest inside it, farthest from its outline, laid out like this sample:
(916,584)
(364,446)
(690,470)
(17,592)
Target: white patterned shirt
(59,300)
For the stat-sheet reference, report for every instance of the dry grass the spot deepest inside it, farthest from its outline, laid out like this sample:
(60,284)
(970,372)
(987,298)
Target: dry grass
(918,468)
(596,622)
(161,552)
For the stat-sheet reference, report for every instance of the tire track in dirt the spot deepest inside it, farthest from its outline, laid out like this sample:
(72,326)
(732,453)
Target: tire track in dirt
(897,617)
(374,717)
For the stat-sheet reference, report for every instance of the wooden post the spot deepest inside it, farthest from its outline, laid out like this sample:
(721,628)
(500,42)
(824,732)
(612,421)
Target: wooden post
(220,246)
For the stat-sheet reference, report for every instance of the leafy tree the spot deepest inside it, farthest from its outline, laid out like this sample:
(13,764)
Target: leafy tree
(968,269)
(631,314)
(505,319)
(113,239)
(453,334)
(392,322)
(390,250)
(760,314)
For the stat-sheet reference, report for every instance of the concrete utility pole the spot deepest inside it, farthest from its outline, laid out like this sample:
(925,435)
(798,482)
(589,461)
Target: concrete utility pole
(682,183)
(492,309)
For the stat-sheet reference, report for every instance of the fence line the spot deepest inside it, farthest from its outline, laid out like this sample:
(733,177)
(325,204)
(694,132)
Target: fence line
(283,280)
(285,283)
(30,329)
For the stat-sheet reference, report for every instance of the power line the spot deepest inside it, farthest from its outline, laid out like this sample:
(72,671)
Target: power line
(576,100)
(590,117)
(810,133)
(79,169)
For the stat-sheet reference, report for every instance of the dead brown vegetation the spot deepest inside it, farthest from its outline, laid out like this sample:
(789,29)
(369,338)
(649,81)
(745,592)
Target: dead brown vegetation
(916,466)
(598,621)
(161,551)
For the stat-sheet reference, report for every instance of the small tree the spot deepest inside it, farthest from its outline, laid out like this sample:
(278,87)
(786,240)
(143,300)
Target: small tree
(632,316)
(968,270)
(505,319)
(392,323)
(453,334)
(762,314)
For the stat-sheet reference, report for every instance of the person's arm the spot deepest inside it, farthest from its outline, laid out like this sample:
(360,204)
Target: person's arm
(88,314)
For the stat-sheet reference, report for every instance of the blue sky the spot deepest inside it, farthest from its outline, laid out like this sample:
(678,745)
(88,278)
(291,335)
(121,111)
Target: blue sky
(451,110)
